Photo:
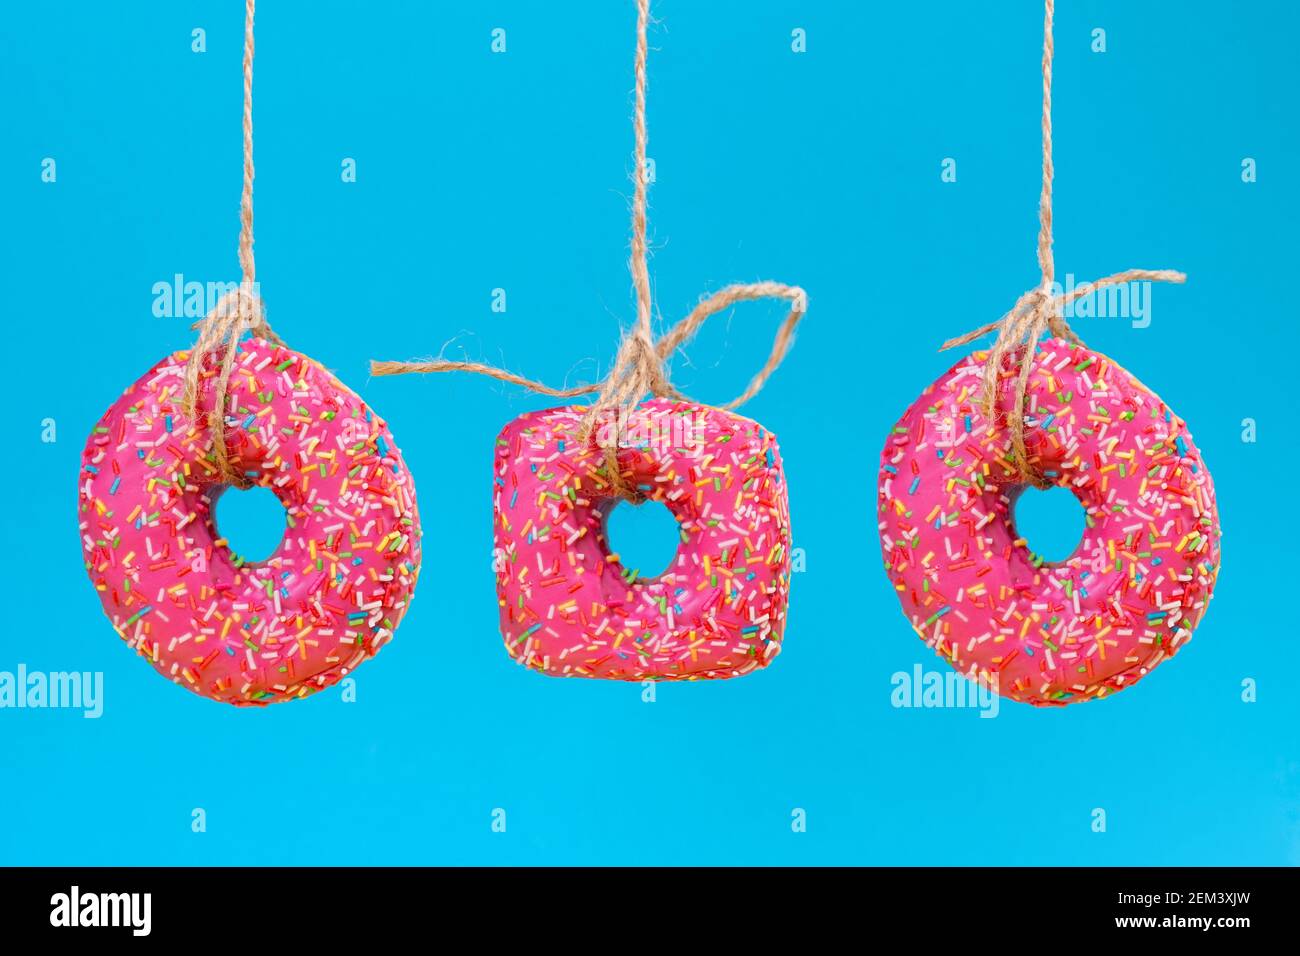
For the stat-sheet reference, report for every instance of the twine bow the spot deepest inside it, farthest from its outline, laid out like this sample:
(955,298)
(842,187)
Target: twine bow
(237,311)
(1038,310)
(640,366)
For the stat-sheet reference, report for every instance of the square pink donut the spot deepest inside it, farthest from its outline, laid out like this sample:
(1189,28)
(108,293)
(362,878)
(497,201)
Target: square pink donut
(570,609)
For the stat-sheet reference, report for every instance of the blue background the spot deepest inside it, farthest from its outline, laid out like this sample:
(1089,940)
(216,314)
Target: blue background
(478,171)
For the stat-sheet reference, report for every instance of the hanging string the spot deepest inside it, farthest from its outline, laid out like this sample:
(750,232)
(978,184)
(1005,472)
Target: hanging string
(239,310)
(640,365)
(1038,310)
(1046,262)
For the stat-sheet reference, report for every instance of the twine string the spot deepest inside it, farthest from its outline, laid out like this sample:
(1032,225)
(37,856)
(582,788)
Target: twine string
(236,312)
(664,347)
(640,365)
(1046,261)
(1039,310)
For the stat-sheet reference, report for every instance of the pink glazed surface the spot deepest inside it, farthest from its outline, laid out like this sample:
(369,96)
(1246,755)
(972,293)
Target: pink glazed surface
(1131,594)
(570,609)
(250,633)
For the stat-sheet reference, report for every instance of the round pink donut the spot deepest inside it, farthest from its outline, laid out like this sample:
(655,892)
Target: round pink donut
(1131,594)
(250,633)
(570,609)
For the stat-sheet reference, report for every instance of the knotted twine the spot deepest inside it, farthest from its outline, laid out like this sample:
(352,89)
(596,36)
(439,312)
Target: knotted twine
(1038,310)
(237,311)
(640,366)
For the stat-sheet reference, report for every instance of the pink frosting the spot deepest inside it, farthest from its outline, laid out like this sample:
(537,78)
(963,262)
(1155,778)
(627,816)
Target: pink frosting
(250,633)
(1131,594)
(570,609)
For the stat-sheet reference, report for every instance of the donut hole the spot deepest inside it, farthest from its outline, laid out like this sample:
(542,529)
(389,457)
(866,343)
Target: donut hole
(643,538)
(1051,521)
(250,521)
